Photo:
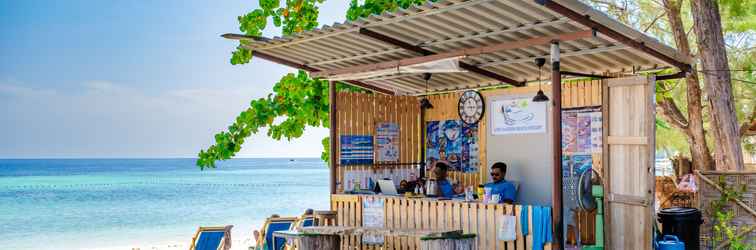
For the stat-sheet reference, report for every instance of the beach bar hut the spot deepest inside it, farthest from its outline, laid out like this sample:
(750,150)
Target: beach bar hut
(598,113)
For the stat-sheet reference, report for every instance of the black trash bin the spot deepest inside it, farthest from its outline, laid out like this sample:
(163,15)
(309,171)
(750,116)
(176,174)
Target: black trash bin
(683,222)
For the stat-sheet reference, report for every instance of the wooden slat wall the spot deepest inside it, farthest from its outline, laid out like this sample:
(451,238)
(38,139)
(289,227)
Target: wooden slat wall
(481,219)
(359,113)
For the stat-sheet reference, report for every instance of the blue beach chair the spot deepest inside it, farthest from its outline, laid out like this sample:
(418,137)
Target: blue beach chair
(212,238)
(274,224)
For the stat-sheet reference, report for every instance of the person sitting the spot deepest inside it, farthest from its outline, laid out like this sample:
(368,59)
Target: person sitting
(445,188)
(504,189)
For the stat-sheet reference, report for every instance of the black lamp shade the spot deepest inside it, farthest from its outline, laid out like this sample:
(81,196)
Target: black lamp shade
(425,104)
(540,97)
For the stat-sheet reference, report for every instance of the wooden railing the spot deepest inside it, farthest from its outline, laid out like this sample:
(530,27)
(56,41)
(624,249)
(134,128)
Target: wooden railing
(403,213)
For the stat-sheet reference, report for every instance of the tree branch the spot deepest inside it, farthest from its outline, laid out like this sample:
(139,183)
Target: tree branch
(672,114)
(654,21)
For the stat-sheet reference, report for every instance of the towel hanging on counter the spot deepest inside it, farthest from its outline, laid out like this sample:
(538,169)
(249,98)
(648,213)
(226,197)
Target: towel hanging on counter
(541,226)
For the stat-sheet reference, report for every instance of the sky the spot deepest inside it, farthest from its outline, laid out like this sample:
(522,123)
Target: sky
(131,79)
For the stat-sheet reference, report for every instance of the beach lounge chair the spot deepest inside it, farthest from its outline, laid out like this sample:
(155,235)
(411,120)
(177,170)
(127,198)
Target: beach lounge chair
(212,238)
(266,240)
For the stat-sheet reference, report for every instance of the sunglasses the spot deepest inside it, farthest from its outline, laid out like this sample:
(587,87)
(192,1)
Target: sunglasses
(494,174)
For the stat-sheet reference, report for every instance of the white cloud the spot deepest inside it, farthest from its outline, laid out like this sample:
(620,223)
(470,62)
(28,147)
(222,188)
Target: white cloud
(107,119)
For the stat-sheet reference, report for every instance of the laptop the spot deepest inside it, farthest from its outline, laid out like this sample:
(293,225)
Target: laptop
(387,187)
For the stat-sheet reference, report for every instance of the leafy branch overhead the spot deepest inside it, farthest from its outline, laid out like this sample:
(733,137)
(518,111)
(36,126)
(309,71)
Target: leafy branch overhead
(297,99)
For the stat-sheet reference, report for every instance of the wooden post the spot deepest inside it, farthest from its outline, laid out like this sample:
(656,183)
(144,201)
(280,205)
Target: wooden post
(333,133)
(556,115)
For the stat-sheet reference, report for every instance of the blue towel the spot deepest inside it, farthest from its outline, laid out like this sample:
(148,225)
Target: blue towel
(524,220)
(209,240)
(541,226)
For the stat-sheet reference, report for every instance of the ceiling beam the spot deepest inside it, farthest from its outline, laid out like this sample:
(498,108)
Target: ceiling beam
(312,70)
(603,29)
(461,52)
(417,49)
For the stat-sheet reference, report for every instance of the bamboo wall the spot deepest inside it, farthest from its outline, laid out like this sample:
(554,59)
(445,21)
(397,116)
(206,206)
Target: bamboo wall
(358,113)
(480,219)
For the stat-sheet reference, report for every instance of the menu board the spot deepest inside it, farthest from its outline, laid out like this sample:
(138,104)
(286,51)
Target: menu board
(356,149)
(373,215)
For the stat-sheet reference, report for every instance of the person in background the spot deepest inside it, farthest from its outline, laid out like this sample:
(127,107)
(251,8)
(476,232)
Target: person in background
(445,188)
(505,189)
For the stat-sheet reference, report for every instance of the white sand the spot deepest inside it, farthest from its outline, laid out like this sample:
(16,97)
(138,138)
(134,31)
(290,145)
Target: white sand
(241,239)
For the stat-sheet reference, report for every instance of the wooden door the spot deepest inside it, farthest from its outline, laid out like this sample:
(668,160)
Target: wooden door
(629,127)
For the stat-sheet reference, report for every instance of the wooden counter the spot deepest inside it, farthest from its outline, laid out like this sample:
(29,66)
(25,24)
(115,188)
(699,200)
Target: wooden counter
(432,214)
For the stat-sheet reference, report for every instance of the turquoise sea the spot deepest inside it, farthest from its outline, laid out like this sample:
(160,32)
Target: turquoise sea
(124,203)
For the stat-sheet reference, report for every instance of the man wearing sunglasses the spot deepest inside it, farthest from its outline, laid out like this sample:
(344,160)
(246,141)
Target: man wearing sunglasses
(499,186)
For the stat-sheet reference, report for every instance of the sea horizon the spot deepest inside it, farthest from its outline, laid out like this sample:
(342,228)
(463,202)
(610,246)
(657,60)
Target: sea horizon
(149,203)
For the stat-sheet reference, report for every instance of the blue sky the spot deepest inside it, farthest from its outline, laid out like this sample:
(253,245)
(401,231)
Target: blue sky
(131,79)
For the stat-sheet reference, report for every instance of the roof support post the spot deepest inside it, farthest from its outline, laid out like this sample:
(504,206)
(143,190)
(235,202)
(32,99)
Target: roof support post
(586,20)
(417,49)
(556,125)
(332,117)
(304,67)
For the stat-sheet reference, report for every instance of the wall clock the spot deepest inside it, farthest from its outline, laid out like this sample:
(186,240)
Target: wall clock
(471,106)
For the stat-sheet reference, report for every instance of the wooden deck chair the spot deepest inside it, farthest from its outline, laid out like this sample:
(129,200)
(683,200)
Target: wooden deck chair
(306,220)
(212,238)
(266,240)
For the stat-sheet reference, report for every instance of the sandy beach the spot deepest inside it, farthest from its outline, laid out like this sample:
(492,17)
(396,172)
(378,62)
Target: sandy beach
(241,238)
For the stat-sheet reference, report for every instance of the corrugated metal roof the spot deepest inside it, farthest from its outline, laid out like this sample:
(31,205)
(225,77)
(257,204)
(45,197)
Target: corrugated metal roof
(451,25)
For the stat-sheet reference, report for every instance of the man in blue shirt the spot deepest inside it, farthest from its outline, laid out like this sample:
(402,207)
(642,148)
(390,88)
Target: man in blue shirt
(445,188)
(505,189)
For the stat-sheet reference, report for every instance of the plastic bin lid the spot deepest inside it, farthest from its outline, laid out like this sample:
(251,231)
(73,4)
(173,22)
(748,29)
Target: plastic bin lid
(680,211)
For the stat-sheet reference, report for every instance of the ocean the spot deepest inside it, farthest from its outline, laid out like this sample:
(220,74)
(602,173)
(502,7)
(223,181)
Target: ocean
(148,203)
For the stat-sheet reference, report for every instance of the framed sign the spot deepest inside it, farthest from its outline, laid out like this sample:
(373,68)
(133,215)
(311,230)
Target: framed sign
(518,116)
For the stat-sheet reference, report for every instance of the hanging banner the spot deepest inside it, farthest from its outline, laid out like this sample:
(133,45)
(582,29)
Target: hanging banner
(455,142)
(518,116)
(387,142)
(356,149)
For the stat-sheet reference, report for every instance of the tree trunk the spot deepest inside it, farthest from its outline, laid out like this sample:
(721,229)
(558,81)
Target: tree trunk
(699,150)
(711,47)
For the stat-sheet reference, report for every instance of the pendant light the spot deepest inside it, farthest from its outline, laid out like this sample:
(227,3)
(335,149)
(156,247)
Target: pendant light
(425,103)
(540,96)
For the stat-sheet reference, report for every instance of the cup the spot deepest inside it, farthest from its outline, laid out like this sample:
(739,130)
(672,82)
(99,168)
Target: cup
(486,194)
(469,194)
(495,198)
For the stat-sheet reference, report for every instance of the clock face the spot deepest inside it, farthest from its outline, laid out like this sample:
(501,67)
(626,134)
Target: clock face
(471,107)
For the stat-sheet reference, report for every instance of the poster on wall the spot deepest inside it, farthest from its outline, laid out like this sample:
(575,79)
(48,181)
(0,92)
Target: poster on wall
(518,116)
(387,142)
(356,149)
(373,216)
(455,142)
(582,131)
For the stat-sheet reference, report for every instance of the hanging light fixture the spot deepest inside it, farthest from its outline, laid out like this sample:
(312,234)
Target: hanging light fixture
(540,96)
(425,103)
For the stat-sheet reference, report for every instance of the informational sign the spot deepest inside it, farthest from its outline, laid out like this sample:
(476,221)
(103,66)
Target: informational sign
(356,149)
(387,142)
(582,131)
(518,116)
(373,216)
